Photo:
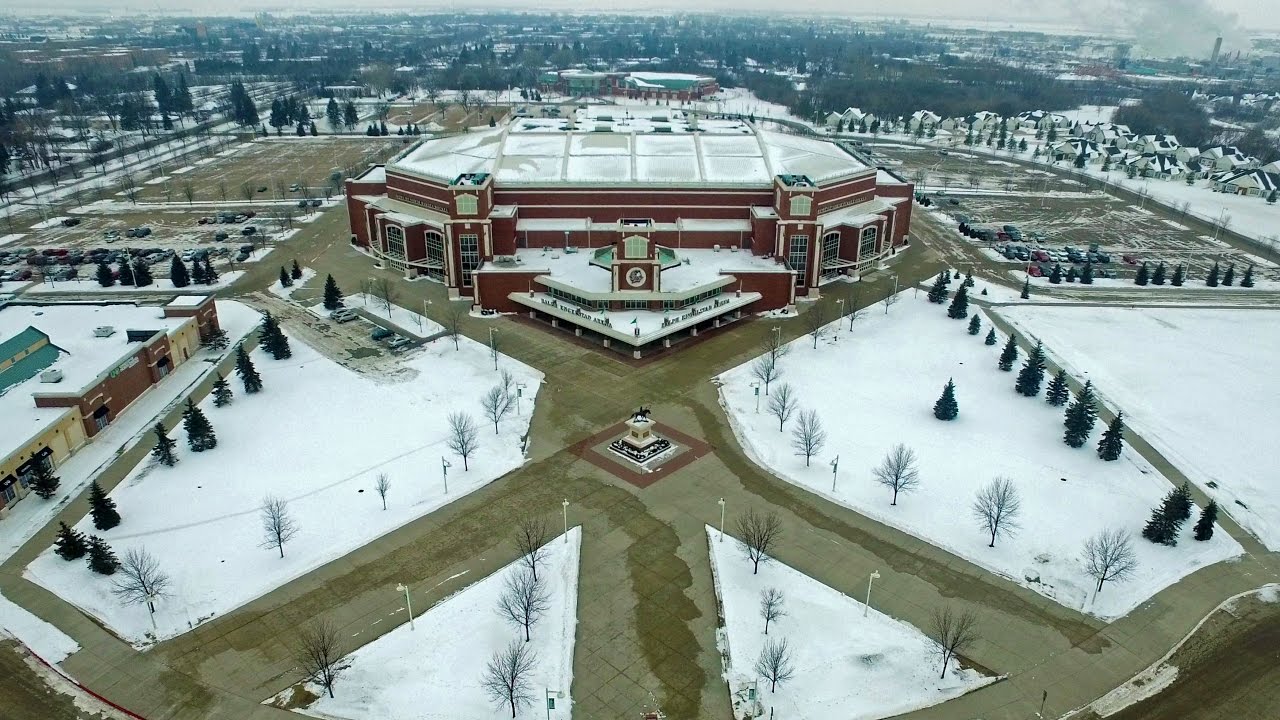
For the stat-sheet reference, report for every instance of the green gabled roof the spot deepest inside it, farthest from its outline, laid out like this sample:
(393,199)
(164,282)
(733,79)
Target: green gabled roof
(30,365)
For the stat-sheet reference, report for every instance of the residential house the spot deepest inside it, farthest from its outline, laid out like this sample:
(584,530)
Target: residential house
(1071,148)
(1042,120)
(1154,144)
(1226,158)
(925,119)
(1252,182)
(852,118)
(1162,167)
(1110,134)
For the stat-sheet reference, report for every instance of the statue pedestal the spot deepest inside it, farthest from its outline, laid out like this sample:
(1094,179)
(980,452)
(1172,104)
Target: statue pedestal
(640,444)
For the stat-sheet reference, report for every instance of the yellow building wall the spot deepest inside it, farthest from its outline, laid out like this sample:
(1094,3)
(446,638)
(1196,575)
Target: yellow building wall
(62,437)
(185,338)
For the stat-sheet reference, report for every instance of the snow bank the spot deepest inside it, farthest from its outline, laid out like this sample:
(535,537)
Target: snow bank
(316,436)
(1206,404)
(89,284)
(870,400)
(456,638)
(872,667)
(44,639)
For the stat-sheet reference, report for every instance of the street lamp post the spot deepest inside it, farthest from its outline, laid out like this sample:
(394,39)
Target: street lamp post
(151,609)
(835,466)
(875,575)
(519,394)
(721,502)
(551,697)
(405,589)
(493,348)
(565,507)
(835,336)
(895,292)
(444,473)
(755,387)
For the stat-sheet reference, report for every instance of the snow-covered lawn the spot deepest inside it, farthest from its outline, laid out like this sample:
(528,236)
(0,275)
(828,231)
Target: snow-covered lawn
(406,320)
(1195,383)
(51,222)
(317,436)
(876,387)
(158,285)
(279,290)
(433,672)
(845,665)
(45,640)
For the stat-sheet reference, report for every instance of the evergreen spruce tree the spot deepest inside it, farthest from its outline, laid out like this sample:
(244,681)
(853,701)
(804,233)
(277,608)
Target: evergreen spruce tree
(946,407)
(1080,417)
(1143,276)
(1086,275)
(178,274)
(332,295)
(968,280)
(102,559)
(141,274)
(197,272)
(247,372)
(1212,279)
(1204,526)
(285,280)
(295,272)
(1032,373)
(1182,503)
(200,436)
(946,277)
(938,293)
(163,449)
(45,483)
(1072,275)
(1112,441)
(1247,280)
(975,324)
(1157,277)
(105,277)
(1055,276)
(1163,526)
(1009,355)
(221,392)
(126,273)
(1058,393)
(1179,274)
(1026,289)
(71,545)
(959,308)
(102,508)
(1229,277)
(991,337)
(273,338)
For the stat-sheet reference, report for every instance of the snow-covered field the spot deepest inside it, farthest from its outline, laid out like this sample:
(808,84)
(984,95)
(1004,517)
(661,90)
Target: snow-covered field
(279,290)
(1194,382)
(876,387)
(158,285)
(201,518)
(871,667)
(433,671)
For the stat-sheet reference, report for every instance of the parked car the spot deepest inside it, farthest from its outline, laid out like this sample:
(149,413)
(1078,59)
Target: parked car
(342,315)
(302,203)
(1131,259)
(70,222)
(316,202)
(242,256)
(248,230)
(262,188)
(295,187)
(142,232)
(1034,271)
(380,333)
(247,248)
(221,235)
(399,342)
(241,217)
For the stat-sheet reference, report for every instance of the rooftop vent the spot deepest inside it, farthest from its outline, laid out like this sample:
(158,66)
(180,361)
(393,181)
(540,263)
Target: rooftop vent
(104,331)
(51,376)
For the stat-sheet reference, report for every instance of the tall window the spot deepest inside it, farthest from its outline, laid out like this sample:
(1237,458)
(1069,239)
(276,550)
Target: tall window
(435,255)
(470,251)
(395,241)
(798,257)
(867,246)
(466,204)
(635,247)
(801,205)
(830,248)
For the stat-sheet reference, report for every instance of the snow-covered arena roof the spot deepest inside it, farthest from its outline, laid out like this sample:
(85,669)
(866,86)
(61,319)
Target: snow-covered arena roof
(660,148)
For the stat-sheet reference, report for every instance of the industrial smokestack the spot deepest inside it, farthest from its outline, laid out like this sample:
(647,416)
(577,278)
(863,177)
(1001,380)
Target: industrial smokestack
(1217,48)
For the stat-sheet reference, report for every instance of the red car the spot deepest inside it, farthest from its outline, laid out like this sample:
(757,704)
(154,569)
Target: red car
(1040,255)
(1131,259)
(1034,271)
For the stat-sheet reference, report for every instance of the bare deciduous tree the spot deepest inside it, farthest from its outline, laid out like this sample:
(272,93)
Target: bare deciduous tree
(385,292)
(898,471)
(318,655)
(808,437)
(774,663)
(506,678)
(140,579)
(765,369)
(246,191)
(891,298)
(463,436)
(496,403)
(1109,556)
(222,190)
(782,404)
(997,507)
(531,541)
(383,485)
(453,315)
(815,322)
(189,191)
(758,532)
(278,526)
(524,599)
(952,632)
(771,606)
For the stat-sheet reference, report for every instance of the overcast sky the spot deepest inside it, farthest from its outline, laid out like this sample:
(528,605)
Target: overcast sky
(1208,17)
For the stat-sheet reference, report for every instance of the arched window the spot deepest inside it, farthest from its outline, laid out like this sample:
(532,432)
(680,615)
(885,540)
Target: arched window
(867,245)
(830,248)
(801,205)
(635,247)
(466,204)
(395,241)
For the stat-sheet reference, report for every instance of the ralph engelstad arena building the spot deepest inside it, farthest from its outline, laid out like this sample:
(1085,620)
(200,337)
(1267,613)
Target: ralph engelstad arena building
(632,230)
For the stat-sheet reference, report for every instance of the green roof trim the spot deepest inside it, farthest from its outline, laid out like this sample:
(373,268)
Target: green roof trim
(29,365)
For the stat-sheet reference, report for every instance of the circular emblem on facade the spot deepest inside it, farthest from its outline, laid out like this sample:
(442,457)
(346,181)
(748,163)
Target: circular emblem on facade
(636,277)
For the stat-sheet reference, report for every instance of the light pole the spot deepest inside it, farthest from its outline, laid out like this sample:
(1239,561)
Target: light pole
(405,589)
(777,331)
(552,696)
(721,501)
(519,394)
(564,506)
(835,466)
(895,292)
(493,348)
(835,336)
(151,609)
(755,387)
(444,473)
(875,575)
